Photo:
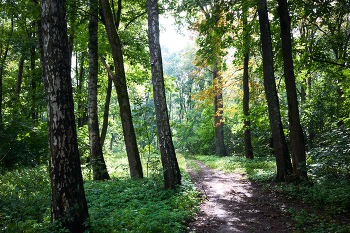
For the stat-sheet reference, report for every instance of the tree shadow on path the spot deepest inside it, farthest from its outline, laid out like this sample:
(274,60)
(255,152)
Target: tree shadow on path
(232,203)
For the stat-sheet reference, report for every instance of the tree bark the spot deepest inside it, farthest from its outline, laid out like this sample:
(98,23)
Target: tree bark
(82,109)
(98,163)
(3,56)
(106,111)
(107,102)
(122,91)
(172,175)
(19,77)
(68,203)
(248,149)
(284,165)
(296,132)
(33,79)
(218,112)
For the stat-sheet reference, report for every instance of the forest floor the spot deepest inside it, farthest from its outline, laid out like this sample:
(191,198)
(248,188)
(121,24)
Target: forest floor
(232,203)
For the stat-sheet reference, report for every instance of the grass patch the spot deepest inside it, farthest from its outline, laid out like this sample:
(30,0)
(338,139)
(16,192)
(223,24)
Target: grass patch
(261,169)
(117,205)
(194,166)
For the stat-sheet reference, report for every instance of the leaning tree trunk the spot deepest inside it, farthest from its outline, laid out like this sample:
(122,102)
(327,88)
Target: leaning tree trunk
(106,111)
(96,155)
(248,149)
(68,203)
(284,165)
(107,102)
(296,132)
(172,175)
(122,92)
(218,112)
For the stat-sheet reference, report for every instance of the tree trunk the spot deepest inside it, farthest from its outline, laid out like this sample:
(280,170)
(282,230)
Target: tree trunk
(218,112)
(82,118)
(296,132)
(172,175)
(96,155)
(122,92)
(19,77)
(33,79)
(284,165)
(248,149)
(68,203)
(3,56)
(106,111)
(107,102)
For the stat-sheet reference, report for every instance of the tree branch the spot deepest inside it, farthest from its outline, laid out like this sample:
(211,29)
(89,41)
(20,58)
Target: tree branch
(110,74)
(135,19)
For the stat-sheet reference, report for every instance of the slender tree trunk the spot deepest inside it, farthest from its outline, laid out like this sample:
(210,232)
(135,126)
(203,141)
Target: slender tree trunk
(82,118)
(19,77)
(172,175)
(2,66)
(108,100)
(296,132)
(33,79)
(303,91)
(106,111)
(248,149)
(284,165)
(40,45)
(68,203)
(122,92)
(98,163)
(218,112)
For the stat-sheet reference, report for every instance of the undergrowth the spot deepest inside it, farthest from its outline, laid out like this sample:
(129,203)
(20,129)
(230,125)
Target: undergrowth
(117,205)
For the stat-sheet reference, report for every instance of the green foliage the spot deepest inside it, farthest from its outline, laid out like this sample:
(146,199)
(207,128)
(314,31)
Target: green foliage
(117,205)
(311,222)
(125,205)
(196,135)
(25,199)
(23,143)
(331,159)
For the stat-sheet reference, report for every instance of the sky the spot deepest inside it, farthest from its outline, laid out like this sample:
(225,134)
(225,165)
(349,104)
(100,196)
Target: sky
(169,37)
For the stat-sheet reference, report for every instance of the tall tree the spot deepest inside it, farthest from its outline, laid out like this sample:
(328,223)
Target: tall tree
(172,175)
(218,111)
(213,39)
(296,132)
(248,149)
(4,48)
(68,203)
(96,155)
(284,165)
(122,91)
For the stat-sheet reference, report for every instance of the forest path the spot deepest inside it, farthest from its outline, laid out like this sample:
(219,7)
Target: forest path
(232,203)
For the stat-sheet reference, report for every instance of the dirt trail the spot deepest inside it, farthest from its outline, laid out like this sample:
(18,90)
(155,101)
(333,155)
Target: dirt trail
(236,204)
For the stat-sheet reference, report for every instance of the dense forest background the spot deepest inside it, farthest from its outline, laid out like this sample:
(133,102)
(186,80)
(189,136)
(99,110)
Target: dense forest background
(215,89)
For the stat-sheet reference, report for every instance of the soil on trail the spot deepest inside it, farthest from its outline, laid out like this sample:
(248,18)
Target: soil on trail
(232,203)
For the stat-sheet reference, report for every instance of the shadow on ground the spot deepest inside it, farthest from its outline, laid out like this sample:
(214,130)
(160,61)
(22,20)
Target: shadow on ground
(232,203)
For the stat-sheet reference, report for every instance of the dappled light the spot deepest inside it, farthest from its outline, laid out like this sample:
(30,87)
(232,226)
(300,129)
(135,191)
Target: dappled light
(174,116)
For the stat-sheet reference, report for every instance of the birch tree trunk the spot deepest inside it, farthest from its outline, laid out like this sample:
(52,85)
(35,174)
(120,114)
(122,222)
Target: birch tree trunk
(68,203)
(172,175)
